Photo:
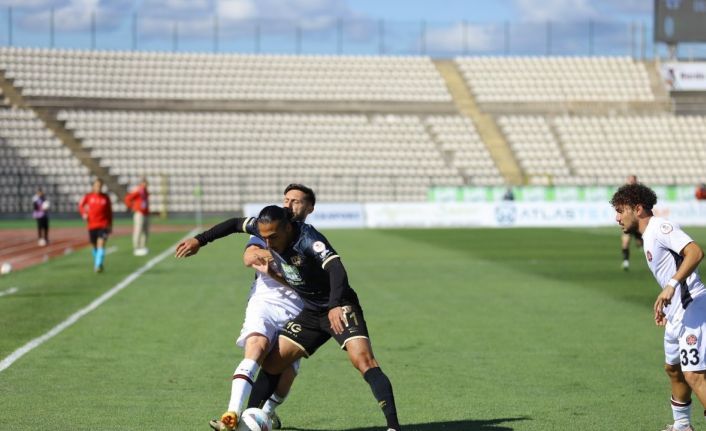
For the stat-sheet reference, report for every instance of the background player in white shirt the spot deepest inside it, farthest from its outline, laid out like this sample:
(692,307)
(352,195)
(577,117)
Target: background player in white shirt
(272,303)
(673,257)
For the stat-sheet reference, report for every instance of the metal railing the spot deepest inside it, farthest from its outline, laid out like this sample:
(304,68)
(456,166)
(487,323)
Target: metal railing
(107,30)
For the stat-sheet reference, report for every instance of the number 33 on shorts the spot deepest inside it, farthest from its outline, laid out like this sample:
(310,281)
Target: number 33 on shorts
(690,353)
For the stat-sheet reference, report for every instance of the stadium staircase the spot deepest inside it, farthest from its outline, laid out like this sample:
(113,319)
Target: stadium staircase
(48,116)
(562,149)
(446,155)
(689,102)
(485,124)
(657,85)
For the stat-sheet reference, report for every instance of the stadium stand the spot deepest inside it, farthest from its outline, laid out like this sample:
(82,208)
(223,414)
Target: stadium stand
(114,74)
(556,79)
(535,147)
(31,157)
(461,143)
(600,150)
(240,157)
(417,123)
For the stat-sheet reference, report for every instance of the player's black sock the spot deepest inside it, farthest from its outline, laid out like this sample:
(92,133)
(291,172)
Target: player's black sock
(626,254)
(263,388)
(382,389)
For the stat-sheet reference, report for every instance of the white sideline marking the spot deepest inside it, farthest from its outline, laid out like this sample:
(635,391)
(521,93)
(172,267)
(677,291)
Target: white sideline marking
(17,354)
(111,250)
(9,291)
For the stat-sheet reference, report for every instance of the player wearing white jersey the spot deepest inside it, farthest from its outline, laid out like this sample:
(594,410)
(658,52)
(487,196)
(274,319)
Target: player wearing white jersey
(673,258)
(626,238)
(271,304)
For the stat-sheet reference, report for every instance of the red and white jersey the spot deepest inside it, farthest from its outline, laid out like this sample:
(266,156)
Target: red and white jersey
(271,291)
(98,210)
(663,243)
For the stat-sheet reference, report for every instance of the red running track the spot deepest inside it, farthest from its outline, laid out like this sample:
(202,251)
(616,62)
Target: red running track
(19,246)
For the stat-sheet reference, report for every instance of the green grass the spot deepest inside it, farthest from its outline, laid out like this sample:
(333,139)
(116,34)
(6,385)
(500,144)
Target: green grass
(519,329)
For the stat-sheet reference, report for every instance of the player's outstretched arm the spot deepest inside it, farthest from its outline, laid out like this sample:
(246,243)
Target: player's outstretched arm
(188,247)
(191,246)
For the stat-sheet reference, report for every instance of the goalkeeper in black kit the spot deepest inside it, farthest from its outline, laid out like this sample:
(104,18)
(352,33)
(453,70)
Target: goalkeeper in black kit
(304,258)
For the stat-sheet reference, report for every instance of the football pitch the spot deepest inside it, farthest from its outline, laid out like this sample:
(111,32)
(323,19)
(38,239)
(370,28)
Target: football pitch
(478,329)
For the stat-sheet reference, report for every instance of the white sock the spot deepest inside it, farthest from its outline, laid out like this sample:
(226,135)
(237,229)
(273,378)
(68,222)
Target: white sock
(272,403)
(243,379)
(681,411)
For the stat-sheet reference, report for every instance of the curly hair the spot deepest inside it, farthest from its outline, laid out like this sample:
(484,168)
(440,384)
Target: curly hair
(634,194)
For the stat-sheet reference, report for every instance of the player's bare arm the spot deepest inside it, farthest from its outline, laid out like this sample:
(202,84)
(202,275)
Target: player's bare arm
(335,317)
(255,255)
(188,247)
(259,259)
(693,254)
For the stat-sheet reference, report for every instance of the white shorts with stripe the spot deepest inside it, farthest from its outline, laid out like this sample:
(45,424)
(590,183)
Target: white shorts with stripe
(684,342)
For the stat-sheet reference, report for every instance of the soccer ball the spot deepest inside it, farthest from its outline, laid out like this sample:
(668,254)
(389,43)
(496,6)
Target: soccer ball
(5,268)
(254,419)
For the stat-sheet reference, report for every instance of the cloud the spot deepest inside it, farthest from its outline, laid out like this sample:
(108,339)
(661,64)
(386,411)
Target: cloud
(628,6)
(460,37)
(33,4)
(176,9)
(77,15)
(581,10)
(557,10)
(236,9)
(238,17)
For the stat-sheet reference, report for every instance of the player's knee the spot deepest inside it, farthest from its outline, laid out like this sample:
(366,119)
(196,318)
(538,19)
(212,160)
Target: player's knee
(695,378)
(256,346)
(279,360)
(363,362)
(673,371)
(274,365)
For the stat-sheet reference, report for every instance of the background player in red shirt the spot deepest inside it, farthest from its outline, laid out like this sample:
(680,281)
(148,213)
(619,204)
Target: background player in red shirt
(138,202)
(700,193)
(96,209)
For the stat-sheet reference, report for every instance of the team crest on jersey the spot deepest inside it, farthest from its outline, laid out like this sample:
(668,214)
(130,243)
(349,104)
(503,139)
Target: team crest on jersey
(691,340)
(291,274)
(649,256)
(297,260)
(666,228)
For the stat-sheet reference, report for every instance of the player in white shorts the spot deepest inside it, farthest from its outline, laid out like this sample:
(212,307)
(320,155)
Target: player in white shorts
(673,257)
(271,304)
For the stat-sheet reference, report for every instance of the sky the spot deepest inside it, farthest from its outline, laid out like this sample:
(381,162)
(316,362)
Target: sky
(333,26)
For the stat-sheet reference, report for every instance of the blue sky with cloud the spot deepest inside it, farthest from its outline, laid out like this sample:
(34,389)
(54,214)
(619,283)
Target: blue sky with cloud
(440,26)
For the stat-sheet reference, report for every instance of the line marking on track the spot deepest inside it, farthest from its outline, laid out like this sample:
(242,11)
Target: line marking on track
(9,291)
(31,345)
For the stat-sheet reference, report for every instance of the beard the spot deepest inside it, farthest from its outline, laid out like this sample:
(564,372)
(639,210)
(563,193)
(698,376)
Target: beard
(632,228)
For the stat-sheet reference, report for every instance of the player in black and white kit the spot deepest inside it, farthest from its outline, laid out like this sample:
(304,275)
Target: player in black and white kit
(305,259)
(271,304)
(673,257)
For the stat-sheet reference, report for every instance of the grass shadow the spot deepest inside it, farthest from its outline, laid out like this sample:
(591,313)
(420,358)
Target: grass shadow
(463,425)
